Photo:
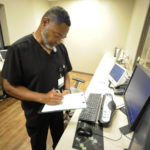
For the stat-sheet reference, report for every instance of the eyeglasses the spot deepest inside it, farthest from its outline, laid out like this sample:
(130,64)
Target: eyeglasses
(57,35)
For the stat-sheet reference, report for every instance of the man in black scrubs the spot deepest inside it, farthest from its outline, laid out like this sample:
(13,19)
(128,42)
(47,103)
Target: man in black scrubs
(36,72)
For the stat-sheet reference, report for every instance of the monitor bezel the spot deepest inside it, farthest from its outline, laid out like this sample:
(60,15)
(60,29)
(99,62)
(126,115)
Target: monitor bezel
(134,124)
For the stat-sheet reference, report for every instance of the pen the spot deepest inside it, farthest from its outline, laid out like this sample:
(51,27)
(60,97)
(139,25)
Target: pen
(57,91)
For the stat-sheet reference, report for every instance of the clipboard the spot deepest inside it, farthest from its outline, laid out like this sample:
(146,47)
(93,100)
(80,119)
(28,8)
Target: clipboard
(69,102)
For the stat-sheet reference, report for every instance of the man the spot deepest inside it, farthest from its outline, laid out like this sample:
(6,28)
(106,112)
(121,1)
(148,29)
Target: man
(36,72)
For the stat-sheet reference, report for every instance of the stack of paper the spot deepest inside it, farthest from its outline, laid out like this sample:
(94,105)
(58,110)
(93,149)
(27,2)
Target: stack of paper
(70,101)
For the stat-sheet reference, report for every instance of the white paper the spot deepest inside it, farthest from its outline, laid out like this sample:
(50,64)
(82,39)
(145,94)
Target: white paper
(70,101)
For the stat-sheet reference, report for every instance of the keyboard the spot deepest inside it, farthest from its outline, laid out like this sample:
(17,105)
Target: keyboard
(90,113)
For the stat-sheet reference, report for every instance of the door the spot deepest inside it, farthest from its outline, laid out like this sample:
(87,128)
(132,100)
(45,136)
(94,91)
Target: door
(143,53)
(144,59)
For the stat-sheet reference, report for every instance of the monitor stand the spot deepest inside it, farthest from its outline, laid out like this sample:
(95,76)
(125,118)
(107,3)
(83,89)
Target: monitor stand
(125,129)
(123,109)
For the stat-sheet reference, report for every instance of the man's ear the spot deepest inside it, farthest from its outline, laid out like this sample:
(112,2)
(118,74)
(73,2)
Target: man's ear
(45,21)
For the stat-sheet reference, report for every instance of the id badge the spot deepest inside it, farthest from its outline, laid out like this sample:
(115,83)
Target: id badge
(60,82)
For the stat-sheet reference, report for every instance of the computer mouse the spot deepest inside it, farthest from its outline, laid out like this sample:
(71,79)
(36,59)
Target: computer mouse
(84,131)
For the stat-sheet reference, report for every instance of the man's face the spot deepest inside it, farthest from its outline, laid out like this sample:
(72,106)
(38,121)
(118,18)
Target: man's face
(53,33)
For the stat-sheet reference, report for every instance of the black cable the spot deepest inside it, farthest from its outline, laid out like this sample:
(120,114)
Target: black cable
(117,108)
(128,137)
(120,106)
(110,86)
(108,137)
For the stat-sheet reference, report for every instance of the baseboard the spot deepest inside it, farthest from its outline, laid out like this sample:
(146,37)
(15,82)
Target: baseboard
(83,73)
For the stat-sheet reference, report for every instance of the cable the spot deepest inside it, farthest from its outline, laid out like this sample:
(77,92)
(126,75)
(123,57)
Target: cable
(109,138)
(128,137)
(120,106)
(110,86)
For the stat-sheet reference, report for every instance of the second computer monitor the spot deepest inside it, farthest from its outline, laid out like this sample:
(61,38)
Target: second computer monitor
(141,137)
(117,75)
(136,94)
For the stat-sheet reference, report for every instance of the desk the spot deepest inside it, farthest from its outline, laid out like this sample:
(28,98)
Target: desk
(99,84)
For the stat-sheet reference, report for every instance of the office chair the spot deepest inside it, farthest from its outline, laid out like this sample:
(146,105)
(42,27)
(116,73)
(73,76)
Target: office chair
(74,89)
(3,97)
(3,94)
(68,114)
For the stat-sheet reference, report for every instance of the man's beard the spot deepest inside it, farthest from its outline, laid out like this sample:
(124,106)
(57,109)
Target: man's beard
(44,35)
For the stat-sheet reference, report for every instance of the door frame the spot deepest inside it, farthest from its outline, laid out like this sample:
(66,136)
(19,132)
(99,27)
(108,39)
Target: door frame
(143,36)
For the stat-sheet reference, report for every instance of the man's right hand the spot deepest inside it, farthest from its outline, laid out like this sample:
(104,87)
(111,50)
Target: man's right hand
(54,97)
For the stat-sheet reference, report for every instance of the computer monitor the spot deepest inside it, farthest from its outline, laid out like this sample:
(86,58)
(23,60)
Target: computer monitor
(141,137)
(3,54)
(116,75)
(136,94)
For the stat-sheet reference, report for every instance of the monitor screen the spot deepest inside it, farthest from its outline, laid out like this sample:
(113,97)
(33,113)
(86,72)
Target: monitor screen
(140,139)
(136,94)
(116,74)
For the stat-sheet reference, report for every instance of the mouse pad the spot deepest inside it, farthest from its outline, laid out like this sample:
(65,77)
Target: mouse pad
(94,142)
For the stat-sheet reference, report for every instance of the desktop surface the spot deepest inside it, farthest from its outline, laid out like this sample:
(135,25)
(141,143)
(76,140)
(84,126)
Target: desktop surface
(112,137)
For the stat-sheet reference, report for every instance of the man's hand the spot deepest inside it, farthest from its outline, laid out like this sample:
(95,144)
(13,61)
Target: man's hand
(54,97)
(65,92)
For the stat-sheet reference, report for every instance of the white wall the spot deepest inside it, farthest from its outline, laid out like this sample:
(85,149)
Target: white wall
(19,15)
(136,27)
(23,16)
(40,7)
(98,26)
(3,22)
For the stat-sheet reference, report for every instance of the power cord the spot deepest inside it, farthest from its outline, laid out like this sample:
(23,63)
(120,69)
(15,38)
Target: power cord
(113,139)
(108,137)
(111,87)
(120,106)
(128,137)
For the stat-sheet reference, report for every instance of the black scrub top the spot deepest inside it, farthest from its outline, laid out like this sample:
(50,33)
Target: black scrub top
(28,64)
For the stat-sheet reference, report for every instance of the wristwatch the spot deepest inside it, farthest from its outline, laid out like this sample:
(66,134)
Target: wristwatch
(68,89)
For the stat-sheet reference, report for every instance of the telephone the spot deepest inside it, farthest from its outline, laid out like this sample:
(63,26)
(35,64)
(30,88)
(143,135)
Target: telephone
(120,89)
(121,56)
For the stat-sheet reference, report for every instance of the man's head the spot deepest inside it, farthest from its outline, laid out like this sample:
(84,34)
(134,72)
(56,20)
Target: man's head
(54,26)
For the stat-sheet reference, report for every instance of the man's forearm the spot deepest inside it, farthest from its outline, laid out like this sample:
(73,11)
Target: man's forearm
(67,81)
(23,93)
